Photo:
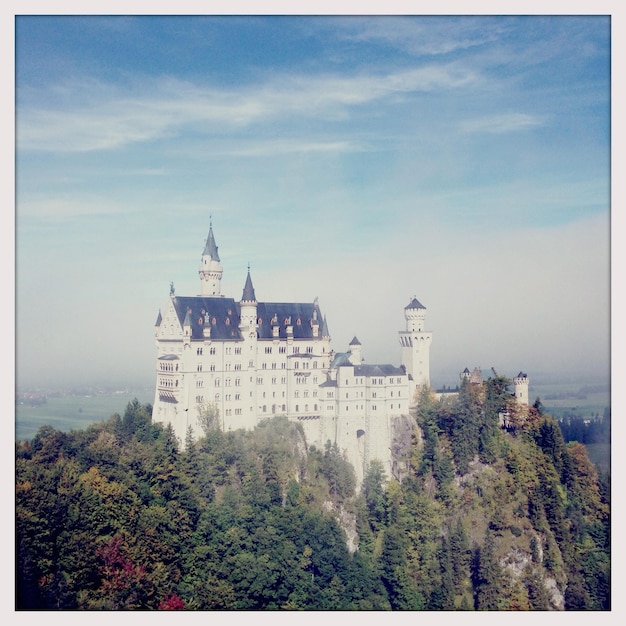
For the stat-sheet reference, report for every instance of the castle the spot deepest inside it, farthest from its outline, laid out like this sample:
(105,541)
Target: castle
(250,360)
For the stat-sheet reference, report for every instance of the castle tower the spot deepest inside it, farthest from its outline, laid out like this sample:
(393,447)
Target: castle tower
(521,383)
(248,305)
(415,342)
(355,352)
(210,270)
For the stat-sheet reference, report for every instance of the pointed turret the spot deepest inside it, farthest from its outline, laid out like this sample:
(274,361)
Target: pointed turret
(354,351)
(159,319)
(325,331)
(248,290)
(248,304)
(210,249)
(210,270)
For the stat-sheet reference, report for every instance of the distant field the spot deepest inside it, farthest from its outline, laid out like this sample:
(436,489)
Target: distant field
(73,412)
(570,398)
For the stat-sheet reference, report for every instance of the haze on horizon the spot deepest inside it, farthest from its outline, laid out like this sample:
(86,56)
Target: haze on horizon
(360,160)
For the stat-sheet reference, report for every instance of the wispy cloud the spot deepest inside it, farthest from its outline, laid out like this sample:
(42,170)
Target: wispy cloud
(502,123)
(106,121)
(430,36)
(62,207)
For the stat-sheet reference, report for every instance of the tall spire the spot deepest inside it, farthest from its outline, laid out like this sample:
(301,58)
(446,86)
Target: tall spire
(210,270)
(210,249)
(248,290)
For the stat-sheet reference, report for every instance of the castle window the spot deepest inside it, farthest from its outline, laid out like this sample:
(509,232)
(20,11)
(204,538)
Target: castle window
(237,350)
(217,382)
(199,351)
(237,382)
(297,407)
(212,368)
(212,350)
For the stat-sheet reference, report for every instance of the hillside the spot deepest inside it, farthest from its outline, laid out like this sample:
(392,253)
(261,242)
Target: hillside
(486,517)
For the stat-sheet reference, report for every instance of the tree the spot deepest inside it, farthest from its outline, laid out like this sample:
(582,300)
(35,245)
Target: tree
(209,417)
(487,576)
(374,491)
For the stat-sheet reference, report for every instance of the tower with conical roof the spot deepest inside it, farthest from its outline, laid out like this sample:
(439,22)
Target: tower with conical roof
(210,270)
(415,342)
(354,351)
(248,306)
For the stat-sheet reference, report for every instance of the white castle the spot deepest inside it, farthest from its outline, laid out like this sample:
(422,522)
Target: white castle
(252,360)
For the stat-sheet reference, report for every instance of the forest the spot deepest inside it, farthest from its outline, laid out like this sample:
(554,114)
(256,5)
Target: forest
(492,510)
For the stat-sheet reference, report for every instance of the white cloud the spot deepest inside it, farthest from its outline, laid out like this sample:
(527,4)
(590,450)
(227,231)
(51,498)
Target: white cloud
(501,123)
(428,36)
(105,120)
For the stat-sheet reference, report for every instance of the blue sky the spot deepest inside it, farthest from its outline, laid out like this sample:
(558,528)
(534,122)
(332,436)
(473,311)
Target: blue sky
(361,160)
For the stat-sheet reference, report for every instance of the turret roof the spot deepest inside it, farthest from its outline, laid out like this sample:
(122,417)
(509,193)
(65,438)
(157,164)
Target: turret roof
(325,332)
(414,304)
(248,290)
(159,319)
(355,342)
(210,248)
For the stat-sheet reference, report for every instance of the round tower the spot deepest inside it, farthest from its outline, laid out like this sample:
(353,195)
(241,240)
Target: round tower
(415,342)
(210,270)
(354,350)
(521,383)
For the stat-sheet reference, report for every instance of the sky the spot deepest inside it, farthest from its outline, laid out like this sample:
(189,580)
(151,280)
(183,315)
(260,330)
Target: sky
(364,161)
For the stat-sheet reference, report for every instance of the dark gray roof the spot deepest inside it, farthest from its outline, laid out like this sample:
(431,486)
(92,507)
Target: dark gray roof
(302,316)
(355,342)
(414,304)
(223,315)
(210,248)
(248,290)
(378,370)
(159,319)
